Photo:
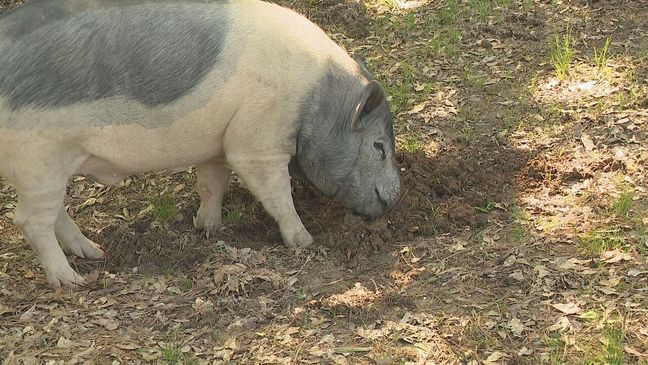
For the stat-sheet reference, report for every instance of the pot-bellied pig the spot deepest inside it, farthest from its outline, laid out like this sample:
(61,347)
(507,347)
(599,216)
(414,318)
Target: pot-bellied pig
(108,88)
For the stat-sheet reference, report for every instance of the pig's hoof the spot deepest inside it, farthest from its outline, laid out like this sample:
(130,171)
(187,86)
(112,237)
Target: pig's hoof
(84,248)
(209,225)
(65,276)
(300,239)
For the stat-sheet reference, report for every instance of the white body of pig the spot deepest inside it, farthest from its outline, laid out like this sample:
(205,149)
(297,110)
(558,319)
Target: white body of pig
(242,114)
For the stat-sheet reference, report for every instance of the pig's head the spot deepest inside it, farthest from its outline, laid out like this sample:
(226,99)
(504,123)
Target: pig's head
(345,145)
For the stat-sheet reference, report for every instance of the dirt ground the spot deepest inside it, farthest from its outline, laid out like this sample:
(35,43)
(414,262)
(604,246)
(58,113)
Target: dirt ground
(521,236)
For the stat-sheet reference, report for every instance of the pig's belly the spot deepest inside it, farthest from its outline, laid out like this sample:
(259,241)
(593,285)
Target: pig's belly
(116,151)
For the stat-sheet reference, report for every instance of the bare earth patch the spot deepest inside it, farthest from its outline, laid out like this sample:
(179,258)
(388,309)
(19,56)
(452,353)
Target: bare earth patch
(521,236)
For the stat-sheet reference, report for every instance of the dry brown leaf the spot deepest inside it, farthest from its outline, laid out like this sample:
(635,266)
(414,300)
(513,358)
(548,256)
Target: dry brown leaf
(516,326)
(64,343)
(561,325)
(611,282)
(127,346)
(573,264)
(418,108)
(108,324)
(613,256)
(567,308)
(495,357)
(151,355)
(541,270)
(517,275)
(28,315)
(633,351)
(160,287)
(6,309)
(510,261)
(524,351)
(607,290)
(291,330)
(231,344)
(587,142)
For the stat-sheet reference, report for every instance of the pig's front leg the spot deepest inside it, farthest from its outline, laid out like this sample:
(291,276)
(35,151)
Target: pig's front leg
(269,181)
(212,181)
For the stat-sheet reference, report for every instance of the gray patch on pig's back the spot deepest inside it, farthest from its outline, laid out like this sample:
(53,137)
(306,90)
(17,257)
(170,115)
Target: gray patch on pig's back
(27,18)
(152,53)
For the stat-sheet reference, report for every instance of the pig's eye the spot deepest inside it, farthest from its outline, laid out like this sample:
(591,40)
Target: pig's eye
(379,146)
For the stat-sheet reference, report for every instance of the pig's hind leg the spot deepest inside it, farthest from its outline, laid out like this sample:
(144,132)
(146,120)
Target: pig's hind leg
(40,182)
(71,239)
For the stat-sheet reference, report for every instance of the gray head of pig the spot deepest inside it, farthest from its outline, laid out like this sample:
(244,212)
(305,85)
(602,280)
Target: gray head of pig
(345,145)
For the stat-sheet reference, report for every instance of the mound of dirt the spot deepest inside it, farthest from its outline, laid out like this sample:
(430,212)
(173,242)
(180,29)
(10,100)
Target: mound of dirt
(450,192)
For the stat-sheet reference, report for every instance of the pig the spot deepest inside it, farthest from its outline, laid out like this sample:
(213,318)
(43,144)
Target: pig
(112,88)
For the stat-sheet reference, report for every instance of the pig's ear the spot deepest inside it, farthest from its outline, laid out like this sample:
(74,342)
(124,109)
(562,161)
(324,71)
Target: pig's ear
(363,66)
(371,98)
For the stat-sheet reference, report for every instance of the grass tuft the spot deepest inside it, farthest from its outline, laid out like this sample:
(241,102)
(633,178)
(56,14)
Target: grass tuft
(603,240)
(411,144)
(171,353)
(621,205)
(234,217)
(164,208)
(614,338)
(562,54)
(601,58)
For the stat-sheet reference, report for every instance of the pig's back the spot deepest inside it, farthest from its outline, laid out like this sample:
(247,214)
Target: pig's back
(55,55)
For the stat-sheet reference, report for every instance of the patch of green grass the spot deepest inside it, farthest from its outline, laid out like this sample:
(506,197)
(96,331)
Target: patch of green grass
(392,4)
(601,58)
(401,90)
(471,78)
(234,217)
(490,205)
(557,349)
(621,205)
(187,284)
(480,9)
(381,26)
(411,144)
(399,93)
(602,240)
(468,132)
(562,54)
(590,315)
(628,99)
(409,22)
(164,208)
(520,214)
(518,233)
(445,41)
(613,353)
(547,224)
(527,5)
(449,13)
(171,353)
